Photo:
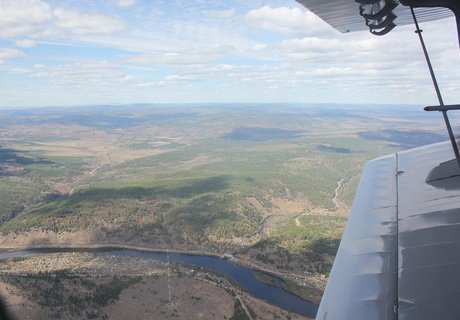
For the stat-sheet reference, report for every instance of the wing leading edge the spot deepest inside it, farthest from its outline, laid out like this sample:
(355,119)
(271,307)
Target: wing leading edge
(362,284)
(400,254)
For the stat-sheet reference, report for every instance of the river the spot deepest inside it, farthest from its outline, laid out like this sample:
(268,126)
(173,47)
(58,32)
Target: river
(245,277)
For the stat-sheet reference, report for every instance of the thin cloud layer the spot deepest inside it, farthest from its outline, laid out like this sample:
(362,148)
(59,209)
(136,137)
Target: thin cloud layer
(126,51)
(125,3)
(9,53)
(23,17)
(287,20)
(84,23)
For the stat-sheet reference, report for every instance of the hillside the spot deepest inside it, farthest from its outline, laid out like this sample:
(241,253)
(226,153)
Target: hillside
(270,183)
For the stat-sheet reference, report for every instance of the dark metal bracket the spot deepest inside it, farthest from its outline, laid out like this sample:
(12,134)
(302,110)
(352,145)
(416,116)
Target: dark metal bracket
(443,108)
(382,24)
(382,13)
(378,15)
(384,31)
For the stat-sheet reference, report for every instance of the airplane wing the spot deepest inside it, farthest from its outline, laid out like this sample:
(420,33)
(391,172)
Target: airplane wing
(399,257)
(347,15)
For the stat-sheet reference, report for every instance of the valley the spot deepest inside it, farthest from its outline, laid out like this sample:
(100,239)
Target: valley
(270,184)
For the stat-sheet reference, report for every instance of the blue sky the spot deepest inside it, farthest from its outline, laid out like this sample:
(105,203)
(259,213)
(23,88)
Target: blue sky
(180,51)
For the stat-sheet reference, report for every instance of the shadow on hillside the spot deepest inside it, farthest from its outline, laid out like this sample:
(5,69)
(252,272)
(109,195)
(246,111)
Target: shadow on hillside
(13,156)
(12,162)
(187,190)
(325,246)
(261,134)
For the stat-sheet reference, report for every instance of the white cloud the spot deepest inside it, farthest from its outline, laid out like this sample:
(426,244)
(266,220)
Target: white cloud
(35,19)
(192,56)
(223,14)
(287,20)
(127,78)
(330,51)
(345,71)
(201,44)
(23,17)
(175,78)
(26,43)
(84,23)
(259,47)
(15,70)
(145,84)
(81,73)
(10,53)
(312,44)
(125,3)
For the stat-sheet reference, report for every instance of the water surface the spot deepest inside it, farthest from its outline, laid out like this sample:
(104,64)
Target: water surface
(245,277)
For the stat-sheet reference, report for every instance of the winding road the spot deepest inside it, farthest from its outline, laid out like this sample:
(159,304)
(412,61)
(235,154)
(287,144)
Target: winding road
(336,193)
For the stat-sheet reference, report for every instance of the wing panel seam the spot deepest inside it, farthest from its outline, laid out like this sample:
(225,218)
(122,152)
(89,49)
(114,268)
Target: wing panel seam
(396,251)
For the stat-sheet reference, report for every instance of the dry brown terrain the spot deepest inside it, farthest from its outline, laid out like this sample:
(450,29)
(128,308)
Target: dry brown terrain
(191,299)
(184,294)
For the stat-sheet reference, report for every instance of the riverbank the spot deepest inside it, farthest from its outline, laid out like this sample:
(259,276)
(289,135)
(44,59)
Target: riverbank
(101,246)
(313,285)
(243,276)
(119,263)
